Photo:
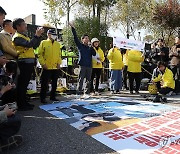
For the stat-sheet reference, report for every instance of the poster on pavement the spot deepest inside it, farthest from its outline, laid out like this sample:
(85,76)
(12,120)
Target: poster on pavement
(157,135)
(94,116)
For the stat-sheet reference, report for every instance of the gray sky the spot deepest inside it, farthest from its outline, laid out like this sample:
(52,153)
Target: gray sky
(23,8)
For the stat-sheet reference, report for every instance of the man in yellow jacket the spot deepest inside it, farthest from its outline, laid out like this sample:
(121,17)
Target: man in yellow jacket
(165,78)
(116,65)
(96,64)
(50,60)
(26,59)
(135,58)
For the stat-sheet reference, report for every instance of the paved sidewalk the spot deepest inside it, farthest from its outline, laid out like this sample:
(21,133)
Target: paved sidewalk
(46,134)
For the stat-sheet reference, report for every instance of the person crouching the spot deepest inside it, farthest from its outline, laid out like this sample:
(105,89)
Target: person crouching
(165,78)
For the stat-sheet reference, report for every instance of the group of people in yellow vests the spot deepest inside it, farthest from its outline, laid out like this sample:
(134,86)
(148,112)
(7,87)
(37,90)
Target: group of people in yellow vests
(130,63)
(49,57)
(91,60)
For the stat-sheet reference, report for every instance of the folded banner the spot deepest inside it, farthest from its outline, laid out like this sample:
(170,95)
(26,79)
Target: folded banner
(128,44)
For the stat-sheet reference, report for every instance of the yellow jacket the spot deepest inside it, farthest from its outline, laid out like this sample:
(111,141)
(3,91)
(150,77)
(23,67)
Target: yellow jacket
(115,58)
(166,78)
(49,54)
(95,64)
(125,58)
(6,44)
(23,52)
(135,59)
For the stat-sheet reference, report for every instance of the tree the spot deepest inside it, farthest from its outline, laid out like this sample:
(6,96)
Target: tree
(53,12)
(85,26)
(47,25)
(132,15)
(56,9)
(166,16)
(148,38)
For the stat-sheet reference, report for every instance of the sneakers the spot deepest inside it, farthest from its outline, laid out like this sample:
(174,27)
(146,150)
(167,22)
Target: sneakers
(12,142)
(137,92)
(170,93)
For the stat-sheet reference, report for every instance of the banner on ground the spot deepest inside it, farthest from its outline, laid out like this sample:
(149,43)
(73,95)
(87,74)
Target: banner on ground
(128,44)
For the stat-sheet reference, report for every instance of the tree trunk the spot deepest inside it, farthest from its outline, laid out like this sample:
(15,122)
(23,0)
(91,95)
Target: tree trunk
(94,9)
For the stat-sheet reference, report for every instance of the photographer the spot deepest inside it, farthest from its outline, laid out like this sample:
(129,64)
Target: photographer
(9,122)
(9,126)
(9,94)
(160,52)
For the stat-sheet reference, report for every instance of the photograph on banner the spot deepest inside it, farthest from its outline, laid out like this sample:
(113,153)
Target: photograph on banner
(153,135)
(32,85)
(128,44)
(64,63)
(96,117)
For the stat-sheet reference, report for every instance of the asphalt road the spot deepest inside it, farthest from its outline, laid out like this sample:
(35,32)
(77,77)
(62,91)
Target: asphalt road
(45,134)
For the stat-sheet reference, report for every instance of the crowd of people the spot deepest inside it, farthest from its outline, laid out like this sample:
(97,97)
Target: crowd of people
(17,62)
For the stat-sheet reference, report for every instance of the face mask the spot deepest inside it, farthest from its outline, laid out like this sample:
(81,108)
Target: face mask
(54,37)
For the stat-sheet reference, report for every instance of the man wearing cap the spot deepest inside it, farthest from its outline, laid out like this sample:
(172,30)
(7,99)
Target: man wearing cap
(26,59)
(50,60)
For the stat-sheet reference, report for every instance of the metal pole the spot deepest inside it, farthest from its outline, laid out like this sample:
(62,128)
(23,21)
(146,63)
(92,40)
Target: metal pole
(127,18)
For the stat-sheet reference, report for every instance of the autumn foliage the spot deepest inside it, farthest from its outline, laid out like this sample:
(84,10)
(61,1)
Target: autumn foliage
(167,14)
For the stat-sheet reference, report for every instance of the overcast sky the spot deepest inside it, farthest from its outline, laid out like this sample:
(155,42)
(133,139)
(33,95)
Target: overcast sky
(23,8)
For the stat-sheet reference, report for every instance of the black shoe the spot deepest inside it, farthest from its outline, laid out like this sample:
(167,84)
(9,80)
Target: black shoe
(54,99)
(25,108)
(43,101)
(79,93)
(131,92)
(164,100)
(12,142)
(137,92)
(30,105)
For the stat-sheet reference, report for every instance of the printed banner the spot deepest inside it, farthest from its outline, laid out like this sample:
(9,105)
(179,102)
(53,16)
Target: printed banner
(128,44)
(157,135)
(123,124)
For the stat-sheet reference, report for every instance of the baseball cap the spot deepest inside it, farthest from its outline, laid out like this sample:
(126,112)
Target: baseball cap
(51,31)
(94,40)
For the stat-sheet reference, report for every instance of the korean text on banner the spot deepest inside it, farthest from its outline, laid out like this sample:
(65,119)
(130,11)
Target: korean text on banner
(128,44)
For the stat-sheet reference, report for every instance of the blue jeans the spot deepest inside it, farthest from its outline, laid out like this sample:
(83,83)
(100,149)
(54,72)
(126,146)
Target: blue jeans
(116,80)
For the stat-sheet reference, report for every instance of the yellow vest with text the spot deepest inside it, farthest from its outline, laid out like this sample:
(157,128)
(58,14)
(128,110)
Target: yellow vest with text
(70,59)
(23,52)
(101,56)
(115,58)
(135,59)
(166,78)
(49,54)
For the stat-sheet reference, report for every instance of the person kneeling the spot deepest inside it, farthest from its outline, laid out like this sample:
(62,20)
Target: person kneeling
(165,78)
